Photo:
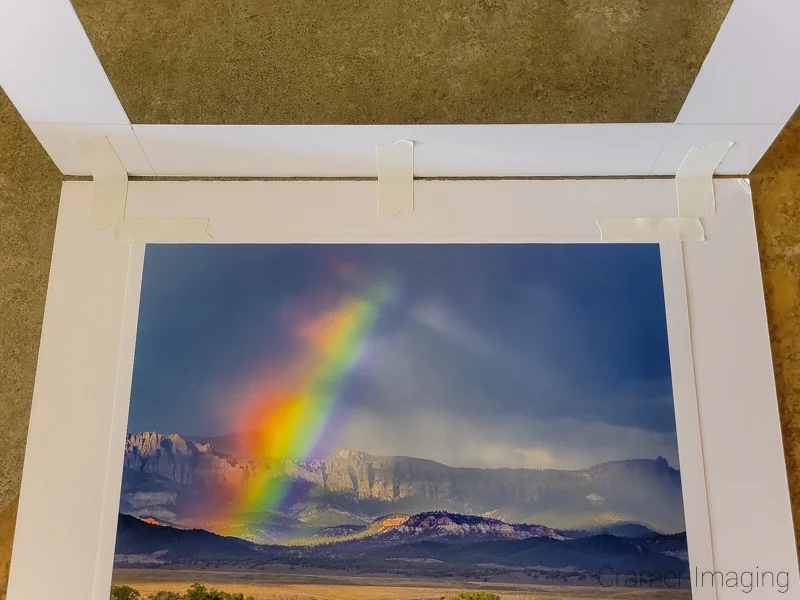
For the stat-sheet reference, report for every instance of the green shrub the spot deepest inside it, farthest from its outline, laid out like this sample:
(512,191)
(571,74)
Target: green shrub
(475,596)
(200,592)
(196,592)
(124,592)
(218,595)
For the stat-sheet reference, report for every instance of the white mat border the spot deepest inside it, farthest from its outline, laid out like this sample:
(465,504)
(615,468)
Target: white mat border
(65,525)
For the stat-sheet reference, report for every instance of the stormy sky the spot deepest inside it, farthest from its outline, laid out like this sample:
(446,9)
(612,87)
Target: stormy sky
(507,355)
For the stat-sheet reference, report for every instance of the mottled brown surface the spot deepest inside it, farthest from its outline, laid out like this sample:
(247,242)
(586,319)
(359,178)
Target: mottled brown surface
(415,61)
(776,194)
(29,188)
(7,519)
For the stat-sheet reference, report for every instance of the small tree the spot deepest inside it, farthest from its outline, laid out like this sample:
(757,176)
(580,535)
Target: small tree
(124,592)
(196,592)
(166,596)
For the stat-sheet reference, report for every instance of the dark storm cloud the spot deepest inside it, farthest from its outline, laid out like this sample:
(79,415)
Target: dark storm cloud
(541,355)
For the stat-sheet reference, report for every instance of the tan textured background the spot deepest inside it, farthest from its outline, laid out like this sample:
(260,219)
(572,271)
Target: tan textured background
(29,189)
(415,61)
(201,61)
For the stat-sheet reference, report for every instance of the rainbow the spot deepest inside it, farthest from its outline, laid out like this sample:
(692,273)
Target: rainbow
(282,424)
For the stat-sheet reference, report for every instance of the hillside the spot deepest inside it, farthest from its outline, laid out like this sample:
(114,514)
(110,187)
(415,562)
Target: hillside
(423,544)
(137,538)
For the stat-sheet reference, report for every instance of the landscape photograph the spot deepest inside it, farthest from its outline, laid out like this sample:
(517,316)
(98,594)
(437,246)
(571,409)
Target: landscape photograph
(401,422)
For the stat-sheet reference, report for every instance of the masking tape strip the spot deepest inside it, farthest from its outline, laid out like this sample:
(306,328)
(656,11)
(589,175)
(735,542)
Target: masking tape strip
(693,179)
(110,189)
(163,230)
(651,229)
(694,186)
(395,178)
(110,195)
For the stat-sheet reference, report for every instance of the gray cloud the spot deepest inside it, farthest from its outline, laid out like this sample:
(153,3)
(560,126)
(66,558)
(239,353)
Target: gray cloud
(441,389)
(501,441)
(533,355)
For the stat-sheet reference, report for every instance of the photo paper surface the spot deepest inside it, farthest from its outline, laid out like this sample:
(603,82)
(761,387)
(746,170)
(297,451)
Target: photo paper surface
(401,421)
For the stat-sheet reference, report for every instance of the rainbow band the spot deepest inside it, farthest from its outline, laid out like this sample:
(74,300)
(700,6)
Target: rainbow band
(283,426)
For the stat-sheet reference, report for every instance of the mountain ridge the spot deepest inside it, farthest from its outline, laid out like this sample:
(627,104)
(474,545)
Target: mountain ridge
(163,473)
(209,444)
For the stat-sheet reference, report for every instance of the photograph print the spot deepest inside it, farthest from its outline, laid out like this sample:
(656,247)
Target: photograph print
(401,422)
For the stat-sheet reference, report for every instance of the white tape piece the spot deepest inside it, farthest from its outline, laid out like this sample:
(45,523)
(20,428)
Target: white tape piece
(110,196)
(694,185)
(110,188)
(184,231)
(651,229)
(694,179)
(395,178)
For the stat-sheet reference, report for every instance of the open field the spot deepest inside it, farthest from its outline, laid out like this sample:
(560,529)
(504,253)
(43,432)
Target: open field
(294,586)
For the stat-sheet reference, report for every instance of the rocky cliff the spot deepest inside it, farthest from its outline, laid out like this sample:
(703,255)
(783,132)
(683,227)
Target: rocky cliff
(364,486)
(183,461)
